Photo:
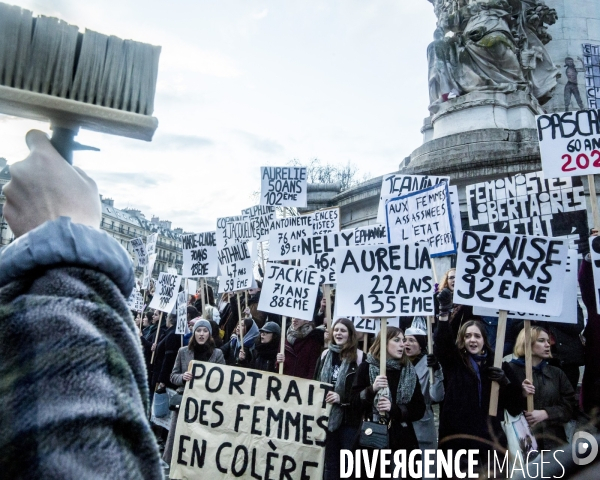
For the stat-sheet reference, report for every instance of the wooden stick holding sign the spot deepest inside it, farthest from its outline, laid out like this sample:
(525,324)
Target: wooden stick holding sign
(365,342)
(528,362)
(430,344)
(594,200)
(156,337)
(240,323)
(327,295)
(498,361)
(282,342)
(262,257)
(382,345)
(202,297)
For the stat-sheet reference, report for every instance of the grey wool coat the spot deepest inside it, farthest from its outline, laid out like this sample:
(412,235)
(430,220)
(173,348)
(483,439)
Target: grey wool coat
(184,357)
(73,390)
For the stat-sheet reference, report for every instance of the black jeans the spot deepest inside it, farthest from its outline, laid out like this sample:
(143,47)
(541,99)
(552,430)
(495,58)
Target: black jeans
(342,439)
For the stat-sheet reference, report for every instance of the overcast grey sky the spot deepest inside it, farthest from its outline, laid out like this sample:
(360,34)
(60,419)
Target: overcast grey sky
(247,83)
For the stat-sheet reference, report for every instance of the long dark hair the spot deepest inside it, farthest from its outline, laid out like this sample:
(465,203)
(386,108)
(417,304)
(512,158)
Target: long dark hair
(460,340)
(210,343)
(349,351)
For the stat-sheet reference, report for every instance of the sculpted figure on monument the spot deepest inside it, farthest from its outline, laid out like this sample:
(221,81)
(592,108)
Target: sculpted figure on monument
(490,46)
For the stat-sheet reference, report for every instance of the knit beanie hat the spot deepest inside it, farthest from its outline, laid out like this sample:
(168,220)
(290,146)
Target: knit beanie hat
(203,323)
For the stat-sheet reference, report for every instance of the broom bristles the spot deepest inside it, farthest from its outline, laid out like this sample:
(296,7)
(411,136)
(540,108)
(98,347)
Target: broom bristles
(48,56)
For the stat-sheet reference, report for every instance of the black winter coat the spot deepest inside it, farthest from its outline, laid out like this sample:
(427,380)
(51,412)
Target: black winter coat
(553,393)
(461,411)
(265,356)
(164,358)
(401,432)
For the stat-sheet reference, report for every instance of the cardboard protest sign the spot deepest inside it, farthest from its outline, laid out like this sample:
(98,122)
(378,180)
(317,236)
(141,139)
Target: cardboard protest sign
(283,186)
(238,422)
(595,254)
(455,211)
(371,235)
(135,302)
(591,61)
(191,286)
(511,272)
(182,326)
(148,271)
(569,143)
(529,204)
(151,243)
(326,221)
(236,268)
(286,235)
(165,295)
(372,325)
(225,233)
(384,281)
(140,250)
(290,291)
(569,292)
(317,252)
(422,216)
(199,254)
(261,217)
(398,185)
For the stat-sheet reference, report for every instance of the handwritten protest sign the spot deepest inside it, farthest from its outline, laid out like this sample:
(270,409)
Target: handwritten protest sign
(148,271)
(225,233)
(384,280)
(398,185)
(283,186)
(151,243)
(140,250)
(236,268)
(261,217)
(326,221)
(317,251)
(569,310)
(199,254)
(165,295)
(371,235)
(455,211)
(511,272)
(569,143)
(182,326)
(422,216)
(595,254)
(591,61)
(286,235)
(290,291)
(529,204)
(243,423)
(135,302)
(372,325)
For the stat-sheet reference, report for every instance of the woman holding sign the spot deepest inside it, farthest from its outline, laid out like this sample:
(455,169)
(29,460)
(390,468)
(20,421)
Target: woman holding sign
(200,348)
(444,303)
(395,396)
(468,368)
(338,365)
(553,395)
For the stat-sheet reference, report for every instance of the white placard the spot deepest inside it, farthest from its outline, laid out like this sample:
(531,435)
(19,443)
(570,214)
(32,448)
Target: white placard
(326,221)
(455,211)
(569,143)
(422,216)
(135,302)
(595,254)
(165,295)
(569,311)
(290,291)
(151,243)
(224,232)
(148,271)
(372,325)
(283,186)
(140,250)
(371,235)
(192,286)
(236,268)
(199,254)
(182,325)
(384,281)
(261,217)
(397,185)
(285,236)
(318,252)
(529,204)
(511,272)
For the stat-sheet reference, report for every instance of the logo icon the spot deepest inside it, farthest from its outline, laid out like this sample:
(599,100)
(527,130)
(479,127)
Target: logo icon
(585,448)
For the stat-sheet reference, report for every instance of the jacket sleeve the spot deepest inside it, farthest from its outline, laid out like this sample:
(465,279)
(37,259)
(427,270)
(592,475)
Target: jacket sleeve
(171,346)
(178,370)
(512,395)
(436,388)
(219,357)
(362,390)
(71,357)
(561,413)
(444,346)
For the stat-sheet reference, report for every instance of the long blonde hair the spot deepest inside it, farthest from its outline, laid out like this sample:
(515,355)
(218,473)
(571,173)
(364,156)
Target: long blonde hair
(444,283)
